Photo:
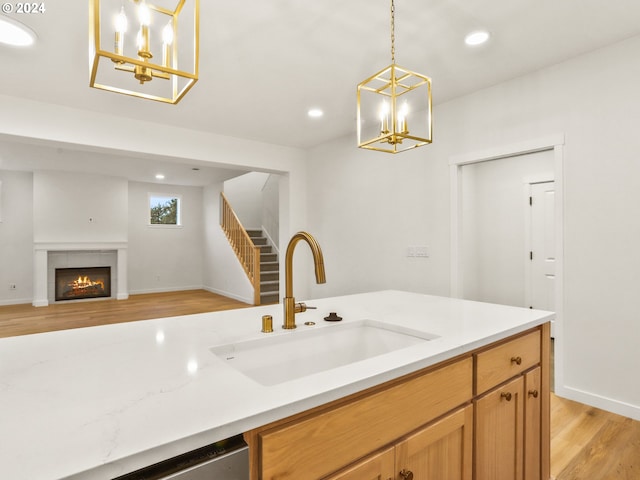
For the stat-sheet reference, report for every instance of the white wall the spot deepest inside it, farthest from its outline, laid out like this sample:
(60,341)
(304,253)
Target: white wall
(223,273)
(493,226)
(16,237)
(165,258)
(75,207)
(159,258)
(245,196)
(376,204)
(271,209)
(367,207)
(255,197)
(77,129)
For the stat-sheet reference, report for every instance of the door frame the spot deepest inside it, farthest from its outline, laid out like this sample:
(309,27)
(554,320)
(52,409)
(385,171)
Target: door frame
(456,162)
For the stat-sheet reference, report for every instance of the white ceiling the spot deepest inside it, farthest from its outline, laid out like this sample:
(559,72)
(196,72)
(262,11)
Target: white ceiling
(264,63)
(31,156)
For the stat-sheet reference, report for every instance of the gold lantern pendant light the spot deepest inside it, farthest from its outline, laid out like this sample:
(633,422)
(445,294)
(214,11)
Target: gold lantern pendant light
(165,46)
(394,107)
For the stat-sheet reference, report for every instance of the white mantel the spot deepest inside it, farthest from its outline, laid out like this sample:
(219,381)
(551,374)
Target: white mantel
(40,262)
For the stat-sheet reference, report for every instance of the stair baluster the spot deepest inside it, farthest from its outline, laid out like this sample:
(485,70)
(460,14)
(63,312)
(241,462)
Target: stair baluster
(248,254)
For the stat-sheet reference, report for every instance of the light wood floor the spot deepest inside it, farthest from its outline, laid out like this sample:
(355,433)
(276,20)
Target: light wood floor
(586,443)
(26,319)
(591,444)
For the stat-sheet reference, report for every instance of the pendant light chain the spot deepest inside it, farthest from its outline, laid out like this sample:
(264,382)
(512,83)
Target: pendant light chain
(393,32)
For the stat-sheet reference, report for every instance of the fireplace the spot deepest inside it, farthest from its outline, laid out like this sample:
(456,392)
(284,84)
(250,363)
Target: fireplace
(49,256)
(82,283)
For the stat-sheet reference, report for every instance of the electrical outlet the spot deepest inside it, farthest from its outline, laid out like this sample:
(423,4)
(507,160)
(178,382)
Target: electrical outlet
(418,251)
(12,286)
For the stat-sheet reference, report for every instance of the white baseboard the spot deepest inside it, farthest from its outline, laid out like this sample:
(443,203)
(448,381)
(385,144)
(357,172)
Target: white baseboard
(166,289)
(598,401)
(195,287)
(228,294)
(16,301)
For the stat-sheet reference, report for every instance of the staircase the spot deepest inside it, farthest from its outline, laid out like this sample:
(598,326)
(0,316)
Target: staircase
(269,269)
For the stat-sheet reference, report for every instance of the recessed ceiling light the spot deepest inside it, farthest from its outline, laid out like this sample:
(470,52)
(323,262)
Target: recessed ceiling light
(476,38)
(315,113)
(15,33)
(159,176)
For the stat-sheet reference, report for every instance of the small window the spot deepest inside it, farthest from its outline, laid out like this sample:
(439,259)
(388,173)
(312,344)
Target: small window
(164,210)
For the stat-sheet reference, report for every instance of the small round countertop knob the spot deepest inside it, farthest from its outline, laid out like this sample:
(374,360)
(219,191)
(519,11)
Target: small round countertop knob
(267,324)
(333,317)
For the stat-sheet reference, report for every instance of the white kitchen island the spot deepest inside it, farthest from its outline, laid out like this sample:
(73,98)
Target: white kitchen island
(98,402)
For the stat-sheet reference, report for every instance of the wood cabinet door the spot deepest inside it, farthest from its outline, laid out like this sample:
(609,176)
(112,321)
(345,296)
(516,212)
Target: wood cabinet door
(532,425)
(379,466)
(499,433)
(442,450)
(328,440)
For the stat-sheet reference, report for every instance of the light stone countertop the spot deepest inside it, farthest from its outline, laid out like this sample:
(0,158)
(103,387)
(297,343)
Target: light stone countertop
(98,402)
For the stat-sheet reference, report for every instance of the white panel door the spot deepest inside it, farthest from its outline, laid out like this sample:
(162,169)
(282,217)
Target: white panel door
(542,254)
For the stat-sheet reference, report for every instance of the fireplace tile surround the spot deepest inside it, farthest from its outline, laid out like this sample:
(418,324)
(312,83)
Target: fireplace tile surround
(49,256)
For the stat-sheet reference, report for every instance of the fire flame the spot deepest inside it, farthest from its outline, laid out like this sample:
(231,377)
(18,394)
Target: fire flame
(85,282)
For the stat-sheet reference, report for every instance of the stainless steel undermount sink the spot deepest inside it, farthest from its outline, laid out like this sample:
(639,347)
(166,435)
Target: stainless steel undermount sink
(294,354)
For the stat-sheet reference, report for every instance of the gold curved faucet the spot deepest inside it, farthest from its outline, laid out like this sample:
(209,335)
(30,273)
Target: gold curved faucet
(290,305)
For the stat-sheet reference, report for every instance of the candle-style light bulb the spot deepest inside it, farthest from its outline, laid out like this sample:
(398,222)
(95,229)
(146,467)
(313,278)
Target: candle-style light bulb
(120,25)
(121,22)
(384,118)
(144,14)
(167,34)
(143,73)
(167,41)
(402,118)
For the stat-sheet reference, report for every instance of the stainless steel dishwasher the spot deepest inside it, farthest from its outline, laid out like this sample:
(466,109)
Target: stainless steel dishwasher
(224,460)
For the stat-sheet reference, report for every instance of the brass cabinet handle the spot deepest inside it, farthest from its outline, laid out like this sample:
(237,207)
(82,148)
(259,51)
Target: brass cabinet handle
(406,474)
(506,396)
(533,393)
(516,360)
